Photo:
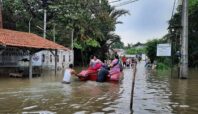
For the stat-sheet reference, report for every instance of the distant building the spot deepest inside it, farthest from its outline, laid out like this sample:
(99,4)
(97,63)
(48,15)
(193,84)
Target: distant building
(139,45)
(18,48)
(19,57)
(120,52)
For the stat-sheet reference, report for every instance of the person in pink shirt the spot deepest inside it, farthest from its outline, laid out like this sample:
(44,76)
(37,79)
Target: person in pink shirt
(95,63)
(115,66)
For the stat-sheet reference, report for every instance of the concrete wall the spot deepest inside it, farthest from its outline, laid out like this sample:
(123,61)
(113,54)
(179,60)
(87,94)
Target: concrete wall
(11,57)
(44,59)
(15,60)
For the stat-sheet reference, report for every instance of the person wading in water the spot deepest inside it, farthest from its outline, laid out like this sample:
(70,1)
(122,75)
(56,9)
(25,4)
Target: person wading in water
(68,73)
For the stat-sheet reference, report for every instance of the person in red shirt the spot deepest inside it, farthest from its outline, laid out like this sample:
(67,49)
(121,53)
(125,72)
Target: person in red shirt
(124,61)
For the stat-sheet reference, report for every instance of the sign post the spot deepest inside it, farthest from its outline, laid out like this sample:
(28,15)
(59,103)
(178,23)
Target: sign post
(164,50)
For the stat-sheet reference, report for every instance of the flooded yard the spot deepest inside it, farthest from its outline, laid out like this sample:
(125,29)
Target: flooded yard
(155,93)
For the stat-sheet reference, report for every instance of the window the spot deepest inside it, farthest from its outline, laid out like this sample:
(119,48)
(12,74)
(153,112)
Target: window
(69,58)
(43,58)
(63,58)
(51,58)
(57,58)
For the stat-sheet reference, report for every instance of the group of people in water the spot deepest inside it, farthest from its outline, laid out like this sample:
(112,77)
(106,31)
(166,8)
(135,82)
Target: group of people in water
(114,66)
(129,62)
(102,70)
(150,65)
(96,65)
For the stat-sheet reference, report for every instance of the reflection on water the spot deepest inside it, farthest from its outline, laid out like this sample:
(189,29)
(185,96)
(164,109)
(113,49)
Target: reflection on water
(158,93)
(155,93)
(47,95)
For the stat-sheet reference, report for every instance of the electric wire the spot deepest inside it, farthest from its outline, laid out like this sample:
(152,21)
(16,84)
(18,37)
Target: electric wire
(173,9)
(114,1)
(125,3)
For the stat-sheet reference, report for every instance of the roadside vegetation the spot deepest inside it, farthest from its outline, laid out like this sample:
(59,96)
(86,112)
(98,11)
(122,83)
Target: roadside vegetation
(173,37)
(133,51)
(93,23)
(151,50)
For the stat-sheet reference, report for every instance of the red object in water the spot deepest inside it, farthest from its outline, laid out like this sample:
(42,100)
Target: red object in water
(92,75)
(89,74)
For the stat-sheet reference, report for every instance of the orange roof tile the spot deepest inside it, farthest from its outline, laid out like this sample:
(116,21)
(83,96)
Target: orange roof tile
(28,40)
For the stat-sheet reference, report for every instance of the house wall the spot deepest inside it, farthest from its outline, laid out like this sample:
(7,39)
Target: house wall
(12,58)
(9,59)
(46,59)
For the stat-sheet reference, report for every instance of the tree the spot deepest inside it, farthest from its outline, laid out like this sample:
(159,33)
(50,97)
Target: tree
(151,47)
(93,22)
(132,51)
(193,31)
(119,45)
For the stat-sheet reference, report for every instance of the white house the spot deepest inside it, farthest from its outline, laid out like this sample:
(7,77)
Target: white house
(16,48)
(46,60)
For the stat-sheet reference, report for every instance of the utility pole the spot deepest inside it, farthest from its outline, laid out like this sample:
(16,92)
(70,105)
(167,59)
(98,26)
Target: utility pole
(1,20)
(54,33)
(30,24)
(184,44)
(44,26)
(45,17)
(72,39)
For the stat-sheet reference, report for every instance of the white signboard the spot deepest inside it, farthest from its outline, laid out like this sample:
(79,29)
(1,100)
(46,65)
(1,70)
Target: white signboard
(36,59)
(164,49)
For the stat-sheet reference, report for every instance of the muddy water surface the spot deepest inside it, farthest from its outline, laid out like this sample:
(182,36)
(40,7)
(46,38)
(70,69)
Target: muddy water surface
(155,93)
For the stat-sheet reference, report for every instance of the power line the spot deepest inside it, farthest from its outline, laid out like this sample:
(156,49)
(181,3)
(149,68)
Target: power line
(114,1)
(173,9)
(125,3)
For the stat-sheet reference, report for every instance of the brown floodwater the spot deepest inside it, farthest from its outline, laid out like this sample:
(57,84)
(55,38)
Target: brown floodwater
(155,93)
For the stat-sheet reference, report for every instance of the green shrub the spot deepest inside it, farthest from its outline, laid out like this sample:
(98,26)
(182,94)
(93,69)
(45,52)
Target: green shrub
(162,66)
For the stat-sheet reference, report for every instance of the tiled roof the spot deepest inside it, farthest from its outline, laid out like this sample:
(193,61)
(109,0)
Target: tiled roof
(27,40)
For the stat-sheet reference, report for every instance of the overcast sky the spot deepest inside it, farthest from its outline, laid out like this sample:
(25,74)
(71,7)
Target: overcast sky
(148,19)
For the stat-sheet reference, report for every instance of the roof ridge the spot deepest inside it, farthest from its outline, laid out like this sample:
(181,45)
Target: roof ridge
(24,39)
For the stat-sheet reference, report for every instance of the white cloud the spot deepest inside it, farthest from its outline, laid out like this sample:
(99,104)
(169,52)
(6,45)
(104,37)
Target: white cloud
(134,37)
(148,19)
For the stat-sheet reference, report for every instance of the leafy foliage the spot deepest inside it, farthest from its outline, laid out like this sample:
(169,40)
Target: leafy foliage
(135,51)
(151,51)
(151,48)
(193,31)
(119,45)
(174,36)
(93,22)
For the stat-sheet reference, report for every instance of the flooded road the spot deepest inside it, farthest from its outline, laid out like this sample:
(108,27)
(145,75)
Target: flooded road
(47,95)
(155,93)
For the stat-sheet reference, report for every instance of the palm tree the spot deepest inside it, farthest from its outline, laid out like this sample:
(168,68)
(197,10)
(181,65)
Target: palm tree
(111,15)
